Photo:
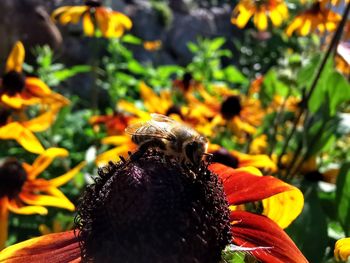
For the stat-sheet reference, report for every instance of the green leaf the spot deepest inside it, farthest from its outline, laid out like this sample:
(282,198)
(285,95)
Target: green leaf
(192,47)
(343,197)
(217,43)
(131,39)
(309,230)
(272,86)
(70,72)
(306,73)
(338,90)
(233,75)
(135,67)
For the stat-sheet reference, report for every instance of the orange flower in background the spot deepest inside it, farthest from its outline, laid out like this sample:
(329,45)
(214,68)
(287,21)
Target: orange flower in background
(315,19)
(22,192)
(115,123)
(261,11)
(152,45)
(112,24)
(17,90)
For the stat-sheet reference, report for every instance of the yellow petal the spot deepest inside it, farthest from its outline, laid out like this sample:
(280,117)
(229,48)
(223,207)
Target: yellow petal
(44,160)
(3,221)
(116,140)
(131,108)
(42,122)
(283,208)
(16,58)
(15,131)
(88,26)
(61,180)
(18,101)
(305,28)
(59,11)
(297,22)
(241,16)
(260,20)
(276,18)
(113,155)
(72,15)
(342,249)
(46,200)
(26,210)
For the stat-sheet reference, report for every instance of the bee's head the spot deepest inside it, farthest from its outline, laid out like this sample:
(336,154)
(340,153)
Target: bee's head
(195,149)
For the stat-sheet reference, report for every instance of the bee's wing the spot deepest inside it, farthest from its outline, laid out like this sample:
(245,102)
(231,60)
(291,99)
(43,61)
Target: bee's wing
(161,118)
(150,129)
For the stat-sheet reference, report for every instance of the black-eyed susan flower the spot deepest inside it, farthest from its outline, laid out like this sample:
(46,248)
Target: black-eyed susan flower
(22,192)
(313,20)
(225,108)
(261,11)
(154,209)
(342,249)
(111,24)
(18,90)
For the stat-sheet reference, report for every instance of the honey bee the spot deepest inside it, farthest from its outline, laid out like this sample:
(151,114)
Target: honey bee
(174,138)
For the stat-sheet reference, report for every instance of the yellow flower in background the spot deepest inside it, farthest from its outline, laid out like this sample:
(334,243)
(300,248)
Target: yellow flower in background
(315,19)
(225,108)
(22,192)
(261,11)
(112,24)
(18,91)
(342,249)
(23,130)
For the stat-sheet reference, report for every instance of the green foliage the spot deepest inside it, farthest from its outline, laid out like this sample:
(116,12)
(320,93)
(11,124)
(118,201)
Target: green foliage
(54,73)
(343,197)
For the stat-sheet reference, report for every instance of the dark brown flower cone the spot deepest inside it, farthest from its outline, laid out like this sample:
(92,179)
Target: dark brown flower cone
(154,209)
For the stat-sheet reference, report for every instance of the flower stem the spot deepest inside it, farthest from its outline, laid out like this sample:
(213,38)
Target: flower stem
(308,95)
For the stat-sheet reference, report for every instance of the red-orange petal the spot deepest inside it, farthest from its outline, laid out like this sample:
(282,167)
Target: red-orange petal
(53,248)
(243,187)
(273,244)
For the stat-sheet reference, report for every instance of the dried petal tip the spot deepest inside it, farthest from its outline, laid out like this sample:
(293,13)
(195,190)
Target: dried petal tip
(153,210)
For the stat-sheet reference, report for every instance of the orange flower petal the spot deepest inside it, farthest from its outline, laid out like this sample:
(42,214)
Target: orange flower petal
(37,87)
(42,122)
(53,248)
(26,210)
(15,131)
(272,244)
(44,160)
(3,221)
(18,101)
(243,187)
(46,200)
(16,58)
(63,179)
